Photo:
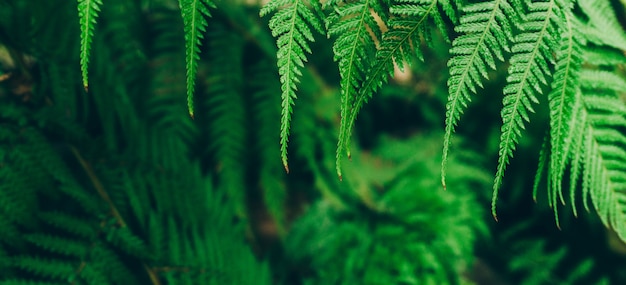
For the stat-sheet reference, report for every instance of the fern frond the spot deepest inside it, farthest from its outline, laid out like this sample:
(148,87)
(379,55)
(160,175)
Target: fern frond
(291,25)
(562,105)
(193,13)
(61,245)
(225,113)
(592,140)
(606,28)
(70,224)
(532,52)
(352,24)
(486,31)
(604,149)
(55,269)
(266,112)
(587,121)
(87,13)
(410,20)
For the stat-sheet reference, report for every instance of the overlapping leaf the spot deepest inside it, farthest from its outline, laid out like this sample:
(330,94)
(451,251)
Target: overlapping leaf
(528,73)
(486,31)
(400,44)
(356,29)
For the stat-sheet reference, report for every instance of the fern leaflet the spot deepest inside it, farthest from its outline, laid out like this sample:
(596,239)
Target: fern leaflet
(193,13)
(532,51)
(562,106)
(485,33)
(603,145)
(87,13)
(290,25)
(352,24)
(587,119)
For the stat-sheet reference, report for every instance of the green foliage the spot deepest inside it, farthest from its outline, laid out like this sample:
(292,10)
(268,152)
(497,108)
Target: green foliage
(356,30)
(561,110)
(87,13)
(587,115)
(225,113)
(109,189)
(408,24)
(122,187)
(485,33)
(603,25)
(194,13)
(539,37)
(397,228)
(532,52)
(291,25)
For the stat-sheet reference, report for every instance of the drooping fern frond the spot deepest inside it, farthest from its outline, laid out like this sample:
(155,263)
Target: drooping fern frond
(603,145)
(193,13)
(562,104)
(410,20)
(587,123)
(356,29)
(266,112)
(486,31)
(225,110)
(532,52)
(87,13)
(291,25)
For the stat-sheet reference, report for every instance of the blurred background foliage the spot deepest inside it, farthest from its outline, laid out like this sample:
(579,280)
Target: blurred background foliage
(117,185)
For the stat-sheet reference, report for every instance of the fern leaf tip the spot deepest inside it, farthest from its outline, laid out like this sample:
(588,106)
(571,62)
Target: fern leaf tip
(285,162)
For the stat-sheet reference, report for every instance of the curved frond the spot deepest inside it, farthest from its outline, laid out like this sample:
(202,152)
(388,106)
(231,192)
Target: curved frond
(587,122)
(87,13)
(562,106)
(356,29)
(193,13)
(266,113)
(291,26)
(528,73)
(485,30)
(226,115)
(400,44)
(603,146)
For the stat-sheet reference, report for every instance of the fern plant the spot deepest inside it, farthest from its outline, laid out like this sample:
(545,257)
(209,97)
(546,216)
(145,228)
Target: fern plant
(540,45)
(102,188)
(94,121)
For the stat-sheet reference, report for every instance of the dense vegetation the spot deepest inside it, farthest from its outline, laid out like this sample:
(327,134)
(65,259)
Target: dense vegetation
(141,142)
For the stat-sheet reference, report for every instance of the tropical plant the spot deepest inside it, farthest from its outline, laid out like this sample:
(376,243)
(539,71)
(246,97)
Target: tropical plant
(545,53)
(106,179)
